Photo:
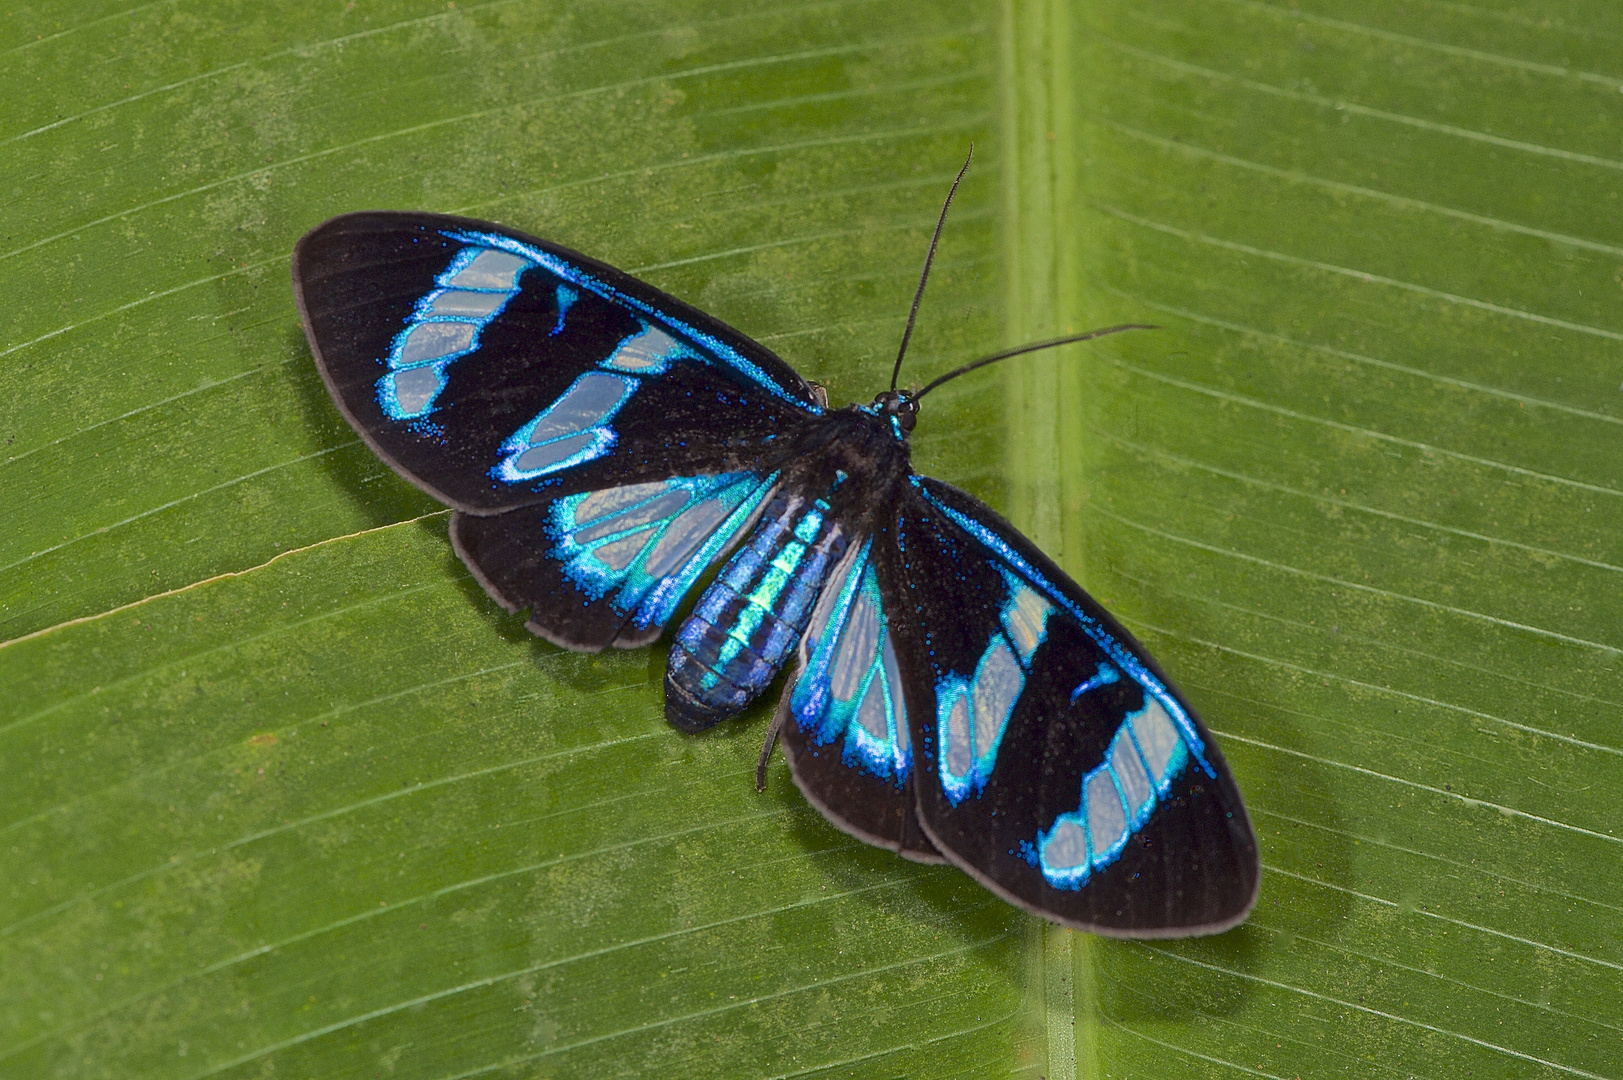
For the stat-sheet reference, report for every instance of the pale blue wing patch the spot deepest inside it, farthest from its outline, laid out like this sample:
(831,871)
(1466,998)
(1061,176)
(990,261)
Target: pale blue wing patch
(573,429)
(647,352)
(1146,754)
(973,713)
(581,279)
(462,304)
(485,268)
(849,688)
(578,426)
(644,545)
(444,326)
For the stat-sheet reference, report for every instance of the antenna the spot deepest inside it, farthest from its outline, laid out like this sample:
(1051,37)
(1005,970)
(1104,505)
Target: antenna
(928,259)
(1033,347)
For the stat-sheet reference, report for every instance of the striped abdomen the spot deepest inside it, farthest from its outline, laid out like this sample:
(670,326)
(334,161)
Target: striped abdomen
(752,615)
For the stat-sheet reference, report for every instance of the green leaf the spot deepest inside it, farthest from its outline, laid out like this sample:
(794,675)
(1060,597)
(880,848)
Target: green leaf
(282,792)
(1362,498)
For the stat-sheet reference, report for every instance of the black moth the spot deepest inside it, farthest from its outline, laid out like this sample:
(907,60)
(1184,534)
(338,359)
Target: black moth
(955,696)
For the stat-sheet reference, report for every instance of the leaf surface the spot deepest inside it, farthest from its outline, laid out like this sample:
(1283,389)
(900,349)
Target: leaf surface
(282,791)
(1362,496)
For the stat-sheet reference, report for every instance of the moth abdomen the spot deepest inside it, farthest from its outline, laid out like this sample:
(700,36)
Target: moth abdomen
(751,617)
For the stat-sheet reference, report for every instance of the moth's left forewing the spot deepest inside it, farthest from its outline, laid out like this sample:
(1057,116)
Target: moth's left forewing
(496,370)
(1056,763)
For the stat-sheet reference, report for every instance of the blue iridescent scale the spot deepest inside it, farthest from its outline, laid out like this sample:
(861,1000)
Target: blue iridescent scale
(751,617)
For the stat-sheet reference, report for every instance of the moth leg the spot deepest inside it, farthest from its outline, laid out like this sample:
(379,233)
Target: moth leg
(772,730)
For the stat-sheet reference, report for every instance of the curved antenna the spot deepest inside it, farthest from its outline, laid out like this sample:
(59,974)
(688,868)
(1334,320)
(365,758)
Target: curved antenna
(928,259)
(1033,347)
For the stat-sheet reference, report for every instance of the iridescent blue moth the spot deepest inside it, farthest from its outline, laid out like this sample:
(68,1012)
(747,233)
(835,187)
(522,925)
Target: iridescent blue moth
(954,696)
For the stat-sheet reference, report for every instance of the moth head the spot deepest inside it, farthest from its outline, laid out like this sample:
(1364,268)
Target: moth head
(900,406)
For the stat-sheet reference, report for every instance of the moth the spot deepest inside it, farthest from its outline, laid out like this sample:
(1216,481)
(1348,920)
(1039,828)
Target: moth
(953,697)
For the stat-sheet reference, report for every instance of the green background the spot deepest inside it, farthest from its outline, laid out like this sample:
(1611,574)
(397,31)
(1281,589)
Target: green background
(283,794)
